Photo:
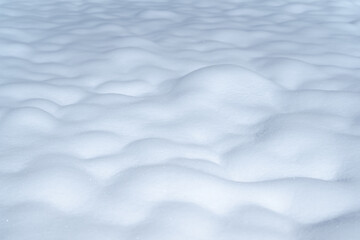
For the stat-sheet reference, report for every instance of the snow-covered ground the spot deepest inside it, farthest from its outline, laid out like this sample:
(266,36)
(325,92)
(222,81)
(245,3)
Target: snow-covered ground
(179,120)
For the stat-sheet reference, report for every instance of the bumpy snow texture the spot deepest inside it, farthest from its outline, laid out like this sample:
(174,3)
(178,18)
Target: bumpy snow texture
(179,120)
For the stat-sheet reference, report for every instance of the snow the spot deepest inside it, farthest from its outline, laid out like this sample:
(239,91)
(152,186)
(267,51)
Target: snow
(173,120)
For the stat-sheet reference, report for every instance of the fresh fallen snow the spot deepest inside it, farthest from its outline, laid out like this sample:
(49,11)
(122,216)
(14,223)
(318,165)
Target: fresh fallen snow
(179,120)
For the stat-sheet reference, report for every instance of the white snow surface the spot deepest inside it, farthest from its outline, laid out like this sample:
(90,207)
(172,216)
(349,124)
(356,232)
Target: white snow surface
(179,120)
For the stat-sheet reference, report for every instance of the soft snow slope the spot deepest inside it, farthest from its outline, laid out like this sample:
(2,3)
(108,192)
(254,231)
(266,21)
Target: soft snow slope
(179,120)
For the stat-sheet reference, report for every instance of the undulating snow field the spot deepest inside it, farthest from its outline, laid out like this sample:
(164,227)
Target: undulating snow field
(180,120)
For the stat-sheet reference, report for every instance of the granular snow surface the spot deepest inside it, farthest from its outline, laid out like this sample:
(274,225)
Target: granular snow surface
(180,120)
